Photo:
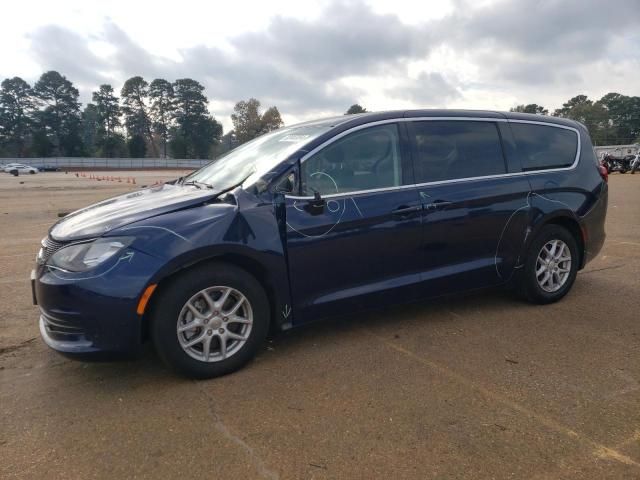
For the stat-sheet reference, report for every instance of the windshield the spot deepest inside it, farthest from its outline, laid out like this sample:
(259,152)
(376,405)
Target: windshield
(257,157)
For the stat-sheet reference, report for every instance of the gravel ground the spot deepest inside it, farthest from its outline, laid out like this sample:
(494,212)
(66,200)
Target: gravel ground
(478,387)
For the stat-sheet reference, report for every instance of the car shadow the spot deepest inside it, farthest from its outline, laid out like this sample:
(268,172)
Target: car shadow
(147,367)
(429,311)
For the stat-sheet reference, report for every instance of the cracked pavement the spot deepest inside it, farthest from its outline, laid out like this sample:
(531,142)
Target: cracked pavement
(482,386)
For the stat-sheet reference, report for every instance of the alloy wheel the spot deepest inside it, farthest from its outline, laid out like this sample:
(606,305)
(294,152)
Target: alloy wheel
(553,265)
(214,324)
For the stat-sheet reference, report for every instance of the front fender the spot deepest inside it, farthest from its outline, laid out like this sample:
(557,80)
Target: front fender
(246,235)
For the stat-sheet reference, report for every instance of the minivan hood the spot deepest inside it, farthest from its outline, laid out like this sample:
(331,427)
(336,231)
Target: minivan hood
(107,215)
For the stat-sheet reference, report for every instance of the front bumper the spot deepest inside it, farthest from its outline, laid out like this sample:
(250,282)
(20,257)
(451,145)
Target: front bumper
(93,315)
(61,339)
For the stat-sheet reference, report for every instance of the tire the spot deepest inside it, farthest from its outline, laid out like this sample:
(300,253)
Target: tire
(31,172)
(530,283)
(170,311)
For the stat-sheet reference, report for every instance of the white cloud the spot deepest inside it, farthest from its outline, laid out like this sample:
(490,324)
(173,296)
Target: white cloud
(314,59)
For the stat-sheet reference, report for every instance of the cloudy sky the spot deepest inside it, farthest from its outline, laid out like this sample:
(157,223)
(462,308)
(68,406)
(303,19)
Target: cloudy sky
(316,59)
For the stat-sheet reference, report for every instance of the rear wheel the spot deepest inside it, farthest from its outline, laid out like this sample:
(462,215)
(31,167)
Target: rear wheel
(551,266)
(210,321)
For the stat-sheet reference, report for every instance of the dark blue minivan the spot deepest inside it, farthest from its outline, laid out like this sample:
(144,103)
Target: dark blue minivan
(320,218)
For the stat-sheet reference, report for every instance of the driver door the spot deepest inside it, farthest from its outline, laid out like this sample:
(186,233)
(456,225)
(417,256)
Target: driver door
(357,244)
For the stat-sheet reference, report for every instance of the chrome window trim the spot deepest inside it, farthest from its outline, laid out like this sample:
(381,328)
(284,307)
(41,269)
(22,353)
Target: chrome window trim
(440,182)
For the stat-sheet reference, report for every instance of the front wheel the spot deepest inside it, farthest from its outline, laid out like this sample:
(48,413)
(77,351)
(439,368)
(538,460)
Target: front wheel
(210,321)
(551,265)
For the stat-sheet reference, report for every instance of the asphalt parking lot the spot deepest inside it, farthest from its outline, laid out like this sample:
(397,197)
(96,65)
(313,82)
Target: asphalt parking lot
(470,388)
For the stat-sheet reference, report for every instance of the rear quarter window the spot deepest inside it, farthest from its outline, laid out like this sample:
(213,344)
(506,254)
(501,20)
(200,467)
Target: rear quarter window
(541,147)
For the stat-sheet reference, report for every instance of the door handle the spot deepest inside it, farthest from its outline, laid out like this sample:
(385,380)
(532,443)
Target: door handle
(438,204)
(405,210)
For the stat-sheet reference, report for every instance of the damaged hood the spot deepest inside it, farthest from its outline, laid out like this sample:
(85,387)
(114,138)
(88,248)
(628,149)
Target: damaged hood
(107,215)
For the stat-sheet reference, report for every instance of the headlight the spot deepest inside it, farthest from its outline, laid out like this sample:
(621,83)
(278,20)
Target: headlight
(81,257)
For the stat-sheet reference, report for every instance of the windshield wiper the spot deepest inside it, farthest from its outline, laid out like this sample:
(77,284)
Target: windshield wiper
(195,183)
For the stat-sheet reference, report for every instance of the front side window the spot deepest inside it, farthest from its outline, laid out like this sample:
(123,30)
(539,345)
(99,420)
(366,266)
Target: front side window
(542,147)
(364,160)
(452,149)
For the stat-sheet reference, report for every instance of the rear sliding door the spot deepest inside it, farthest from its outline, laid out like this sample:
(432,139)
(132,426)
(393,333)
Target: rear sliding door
(475,205)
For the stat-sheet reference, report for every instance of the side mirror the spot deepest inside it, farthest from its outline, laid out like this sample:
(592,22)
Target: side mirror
(287,184)
(315,206)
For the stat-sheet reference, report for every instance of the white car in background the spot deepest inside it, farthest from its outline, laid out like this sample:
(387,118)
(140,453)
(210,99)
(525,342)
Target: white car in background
(20,168)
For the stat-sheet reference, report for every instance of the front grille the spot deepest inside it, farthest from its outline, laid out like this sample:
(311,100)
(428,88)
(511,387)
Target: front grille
(49,247)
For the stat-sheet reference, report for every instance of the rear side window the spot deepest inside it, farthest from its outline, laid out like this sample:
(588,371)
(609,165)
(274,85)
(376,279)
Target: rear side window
(452,149)
(541,147)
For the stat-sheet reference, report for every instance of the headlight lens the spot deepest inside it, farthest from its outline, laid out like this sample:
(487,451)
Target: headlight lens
(81,257)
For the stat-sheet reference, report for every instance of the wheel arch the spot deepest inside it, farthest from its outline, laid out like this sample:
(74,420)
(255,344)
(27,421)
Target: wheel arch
(569,223)
(573,226)
(247,262)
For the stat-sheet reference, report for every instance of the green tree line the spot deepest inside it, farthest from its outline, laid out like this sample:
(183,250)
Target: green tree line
(612,120)
(162,118)
(156,119)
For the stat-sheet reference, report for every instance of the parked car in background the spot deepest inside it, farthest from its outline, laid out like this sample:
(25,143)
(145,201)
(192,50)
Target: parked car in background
(20,168)
(319,219)
(49,168)
(635,163)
